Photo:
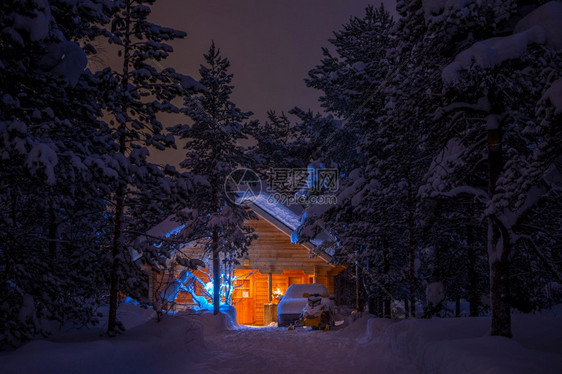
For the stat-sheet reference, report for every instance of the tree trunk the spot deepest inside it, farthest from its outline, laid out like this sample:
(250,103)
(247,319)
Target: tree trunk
(412,252)
(216,274)
(115,254)
(458,306)
(120,191)
(387,311)
(53,238)
(498,245)
(473,293)
(358,304)
(498,254)
(499,291)
(386,268)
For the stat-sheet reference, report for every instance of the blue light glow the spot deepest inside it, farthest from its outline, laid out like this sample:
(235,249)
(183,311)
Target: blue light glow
(294,237)
(209,288)
(174,231)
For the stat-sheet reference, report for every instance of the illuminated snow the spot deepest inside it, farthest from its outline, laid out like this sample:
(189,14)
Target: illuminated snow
(200,342)
(275,208)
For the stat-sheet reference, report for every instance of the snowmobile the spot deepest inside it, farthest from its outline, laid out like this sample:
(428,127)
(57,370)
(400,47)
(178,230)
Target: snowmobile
(318,313)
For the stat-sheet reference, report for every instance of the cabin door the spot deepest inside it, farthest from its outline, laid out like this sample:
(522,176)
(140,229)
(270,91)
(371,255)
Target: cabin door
(243,302)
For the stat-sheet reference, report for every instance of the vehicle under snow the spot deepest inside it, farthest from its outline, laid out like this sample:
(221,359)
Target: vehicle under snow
(293,302)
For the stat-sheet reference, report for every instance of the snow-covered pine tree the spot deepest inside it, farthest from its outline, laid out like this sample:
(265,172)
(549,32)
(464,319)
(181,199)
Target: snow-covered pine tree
(427,34)
(402,145)
(52,215)
(351,79)
(453,256)
(501,110)
(277,143)
(537,258)
(213,152)
(352,83)
(134,95)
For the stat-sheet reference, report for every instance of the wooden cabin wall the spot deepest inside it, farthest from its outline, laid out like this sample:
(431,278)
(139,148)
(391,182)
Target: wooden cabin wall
(271,254)
(260,291)
(249,307)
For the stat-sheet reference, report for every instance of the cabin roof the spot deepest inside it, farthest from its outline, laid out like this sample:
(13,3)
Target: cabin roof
(285,218)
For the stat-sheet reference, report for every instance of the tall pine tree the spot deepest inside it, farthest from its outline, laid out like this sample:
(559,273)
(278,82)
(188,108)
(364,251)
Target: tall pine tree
(213,152)
(52,210)
(134,95)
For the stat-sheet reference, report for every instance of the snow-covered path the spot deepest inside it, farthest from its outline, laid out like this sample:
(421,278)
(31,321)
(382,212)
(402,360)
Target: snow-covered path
(277,350)
(200,342)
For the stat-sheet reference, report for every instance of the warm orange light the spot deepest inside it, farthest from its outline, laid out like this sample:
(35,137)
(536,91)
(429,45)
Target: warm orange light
(277,293)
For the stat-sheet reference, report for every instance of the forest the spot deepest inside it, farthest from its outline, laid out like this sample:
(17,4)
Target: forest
(444,125)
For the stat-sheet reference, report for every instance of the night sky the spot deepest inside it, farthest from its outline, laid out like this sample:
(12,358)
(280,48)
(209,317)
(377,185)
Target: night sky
(271,44)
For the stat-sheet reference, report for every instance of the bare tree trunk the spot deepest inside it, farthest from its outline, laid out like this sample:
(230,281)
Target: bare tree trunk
(53,227)
(115,254)
(215,250)
(120,192)
(386,268)
(216,274)
(458,306)
(387,311)
(358,304)
(228,281)
(412,252)
(473,294)
(377,308)
(498,245)
(499,291)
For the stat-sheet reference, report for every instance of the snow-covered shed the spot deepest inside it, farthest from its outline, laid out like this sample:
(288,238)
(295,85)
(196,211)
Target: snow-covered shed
(272,264)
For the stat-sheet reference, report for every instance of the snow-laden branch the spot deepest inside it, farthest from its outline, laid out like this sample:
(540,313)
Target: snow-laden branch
(554,95)
(482,105)
(492,52)
(513,219)
(479,193)
(541,26)
(543,257)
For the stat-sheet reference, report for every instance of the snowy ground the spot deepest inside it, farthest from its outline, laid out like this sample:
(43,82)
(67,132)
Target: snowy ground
(203,343)
(275,350)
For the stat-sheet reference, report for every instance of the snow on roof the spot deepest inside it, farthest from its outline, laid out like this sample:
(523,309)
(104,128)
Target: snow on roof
(276,209)
(290,216)
(170,226)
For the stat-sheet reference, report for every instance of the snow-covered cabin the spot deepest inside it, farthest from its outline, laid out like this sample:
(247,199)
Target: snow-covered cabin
(272,264)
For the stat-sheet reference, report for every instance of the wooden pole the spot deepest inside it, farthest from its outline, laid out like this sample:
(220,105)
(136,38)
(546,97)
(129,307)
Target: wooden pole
(269,287)
(315,278)
(357,293)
